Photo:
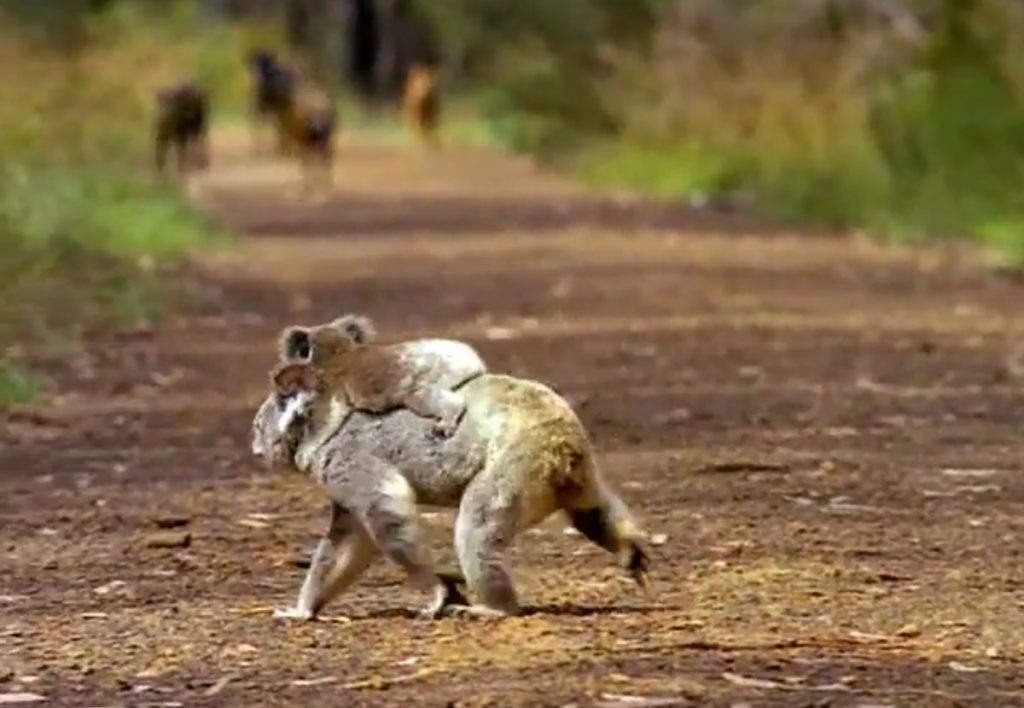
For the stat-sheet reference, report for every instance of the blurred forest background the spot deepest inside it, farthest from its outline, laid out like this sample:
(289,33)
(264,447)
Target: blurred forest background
(901,117)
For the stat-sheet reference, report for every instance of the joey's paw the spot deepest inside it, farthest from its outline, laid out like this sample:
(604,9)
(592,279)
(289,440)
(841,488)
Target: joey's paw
(294,613)
(446,427)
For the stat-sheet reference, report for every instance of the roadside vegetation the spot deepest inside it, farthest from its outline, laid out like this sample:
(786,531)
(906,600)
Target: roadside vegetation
(89,232)
(904,118)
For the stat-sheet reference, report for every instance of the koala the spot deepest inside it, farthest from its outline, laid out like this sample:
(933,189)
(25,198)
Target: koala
(519,455)
(181,122)
(421,101)
(351,369)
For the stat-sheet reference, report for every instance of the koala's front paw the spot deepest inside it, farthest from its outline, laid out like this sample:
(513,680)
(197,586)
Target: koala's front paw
(294,613)
(447,426)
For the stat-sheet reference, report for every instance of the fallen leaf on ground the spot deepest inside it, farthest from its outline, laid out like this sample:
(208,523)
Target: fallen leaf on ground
(110,587)
(750,682)
(315,682)
(169,539)
(380,683)
(219,686)
(909,631)
(615,700)
(499,333)
(171,521)
(12,698)
(970,473)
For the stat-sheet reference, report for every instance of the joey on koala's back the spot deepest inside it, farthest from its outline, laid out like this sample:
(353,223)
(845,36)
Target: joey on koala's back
(181,123)
(420,375)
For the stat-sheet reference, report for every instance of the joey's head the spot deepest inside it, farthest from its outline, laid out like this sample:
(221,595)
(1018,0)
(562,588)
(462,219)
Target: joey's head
(319,343)
(282,419)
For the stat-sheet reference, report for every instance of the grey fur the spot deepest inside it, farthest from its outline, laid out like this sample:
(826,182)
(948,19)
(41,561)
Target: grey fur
(518,455)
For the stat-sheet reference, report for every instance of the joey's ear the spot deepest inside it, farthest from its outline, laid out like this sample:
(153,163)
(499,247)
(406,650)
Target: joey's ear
(357,328)
(295,343)
(292,377)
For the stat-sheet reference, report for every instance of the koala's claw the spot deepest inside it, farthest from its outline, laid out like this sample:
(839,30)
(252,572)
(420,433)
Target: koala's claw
(294,613)
(473,611)
(449,596)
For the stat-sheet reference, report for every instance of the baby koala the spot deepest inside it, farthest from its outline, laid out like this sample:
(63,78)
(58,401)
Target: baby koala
(354,371)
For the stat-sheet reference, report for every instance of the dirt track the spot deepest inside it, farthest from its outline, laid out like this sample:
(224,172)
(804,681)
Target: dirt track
(825,431)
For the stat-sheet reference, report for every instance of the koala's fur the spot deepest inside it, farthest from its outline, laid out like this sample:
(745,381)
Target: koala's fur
(353,371)
(519,454)
(181,121)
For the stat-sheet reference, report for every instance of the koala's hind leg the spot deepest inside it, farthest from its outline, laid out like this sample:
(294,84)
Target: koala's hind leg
(445,406)
(600,515)
(341,556)
(484,528)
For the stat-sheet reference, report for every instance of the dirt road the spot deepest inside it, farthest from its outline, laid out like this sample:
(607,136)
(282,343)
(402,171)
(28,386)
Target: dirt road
(823,432)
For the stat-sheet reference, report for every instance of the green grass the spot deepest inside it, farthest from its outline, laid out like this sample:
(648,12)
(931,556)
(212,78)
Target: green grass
(671,171)
(17,387)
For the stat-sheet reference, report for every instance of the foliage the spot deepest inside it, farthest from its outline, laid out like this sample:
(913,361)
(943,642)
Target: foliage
(86,227)
(905,117)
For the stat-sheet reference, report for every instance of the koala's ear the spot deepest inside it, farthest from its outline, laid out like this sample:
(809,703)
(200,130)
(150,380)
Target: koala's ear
(293,377)
(295,343)
(357,328)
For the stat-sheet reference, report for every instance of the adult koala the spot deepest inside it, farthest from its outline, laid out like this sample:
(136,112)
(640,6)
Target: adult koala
(518,455)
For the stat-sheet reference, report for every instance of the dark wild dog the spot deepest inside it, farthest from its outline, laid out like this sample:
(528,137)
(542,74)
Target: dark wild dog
(310,125)
(273,93)
(182,114)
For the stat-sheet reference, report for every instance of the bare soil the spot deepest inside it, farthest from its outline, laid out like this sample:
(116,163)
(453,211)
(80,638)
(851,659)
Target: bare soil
(825,433)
